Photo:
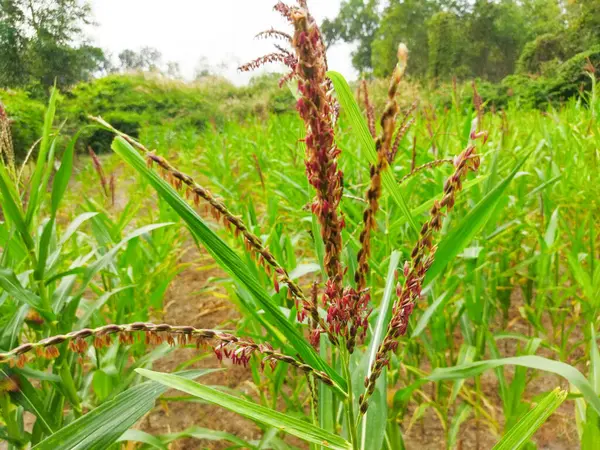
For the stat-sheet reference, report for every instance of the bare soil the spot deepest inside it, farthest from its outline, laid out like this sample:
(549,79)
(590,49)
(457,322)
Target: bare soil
(186,305)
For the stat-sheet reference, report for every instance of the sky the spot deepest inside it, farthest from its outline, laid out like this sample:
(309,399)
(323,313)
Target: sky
(218,32)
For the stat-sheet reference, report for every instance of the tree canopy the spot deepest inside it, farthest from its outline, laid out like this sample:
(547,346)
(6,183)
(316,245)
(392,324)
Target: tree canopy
(463,38)
(43,41)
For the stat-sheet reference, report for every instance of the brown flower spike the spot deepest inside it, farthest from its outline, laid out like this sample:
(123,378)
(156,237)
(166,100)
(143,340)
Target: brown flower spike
(383,147)
(318,111)
(421,259)
(224,344)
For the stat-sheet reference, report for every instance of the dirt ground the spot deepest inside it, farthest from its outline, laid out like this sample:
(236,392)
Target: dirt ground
(186,305)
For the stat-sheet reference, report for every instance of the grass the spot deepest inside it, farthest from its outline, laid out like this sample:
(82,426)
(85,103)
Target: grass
(515,282)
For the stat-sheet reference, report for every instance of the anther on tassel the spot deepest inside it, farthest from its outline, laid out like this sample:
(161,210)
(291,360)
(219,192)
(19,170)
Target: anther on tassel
(51,352)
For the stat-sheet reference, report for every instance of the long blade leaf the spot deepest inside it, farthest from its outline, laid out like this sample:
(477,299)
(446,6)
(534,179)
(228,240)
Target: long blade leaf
(462,234)
(570,373)
(104,425)
(296,427)
(349,105)
(520,433)
(372,428)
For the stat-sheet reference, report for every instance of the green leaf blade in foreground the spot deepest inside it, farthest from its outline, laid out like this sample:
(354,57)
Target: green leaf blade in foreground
(374,421)
(570,373)
(228,260)
(192,432)
(63,174)
(11,284)
(463,233)
(102,426)
(291,425)
(349,105)
(520,433)
(46,147)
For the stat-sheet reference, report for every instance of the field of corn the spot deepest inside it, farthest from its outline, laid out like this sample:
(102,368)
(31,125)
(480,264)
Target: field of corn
(359,275)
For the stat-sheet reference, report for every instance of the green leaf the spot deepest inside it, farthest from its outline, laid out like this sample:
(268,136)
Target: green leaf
(430,311)
(349,105)
(10,333)
(205,434)
(303,270)
(63,174)
(460,416)
(107,258)
(588,419)
(12,210)
(520,434)
(103,385)
(44,248)
(463,233)
(10,283)
(228,260)
(32,400)
(466,354)
(288,424)
(102,426)
(97,305)
(372,427)
(74,226)
(570,373)
(42,169)
(143,437)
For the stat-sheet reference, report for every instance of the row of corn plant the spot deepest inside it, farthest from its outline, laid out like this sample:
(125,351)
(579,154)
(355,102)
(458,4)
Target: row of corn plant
(63,271)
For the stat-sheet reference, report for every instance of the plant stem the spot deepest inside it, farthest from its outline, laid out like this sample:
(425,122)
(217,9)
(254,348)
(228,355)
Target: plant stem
(349,406)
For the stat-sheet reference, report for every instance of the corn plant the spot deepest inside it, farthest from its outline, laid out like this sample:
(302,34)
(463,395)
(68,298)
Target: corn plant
(56,277)
(344,339)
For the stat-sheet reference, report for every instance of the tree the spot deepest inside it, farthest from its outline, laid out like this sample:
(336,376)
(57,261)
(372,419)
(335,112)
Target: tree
(497,33)
(173,70)
(446,46)
(465,38)
(12,44)
(358,22)
(403,21)
(129,60)
(40,42)
(148,58)
(542,17)
(588,23)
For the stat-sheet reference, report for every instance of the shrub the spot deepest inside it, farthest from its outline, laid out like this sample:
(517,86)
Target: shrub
(545,48)
(571,76)
(135,101)
(26,119)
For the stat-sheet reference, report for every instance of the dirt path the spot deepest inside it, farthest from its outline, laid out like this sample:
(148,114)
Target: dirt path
(188,303)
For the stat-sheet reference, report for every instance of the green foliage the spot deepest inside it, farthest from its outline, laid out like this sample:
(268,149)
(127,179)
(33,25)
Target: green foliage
(446,47)
(484,39)
(357,21)
(133,102)
(563,82)
(571,77)
(26,119)
(71,268)
(38,44)
(539,53)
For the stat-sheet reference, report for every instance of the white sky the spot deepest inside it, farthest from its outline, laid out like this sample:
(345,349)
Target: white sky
(187,30)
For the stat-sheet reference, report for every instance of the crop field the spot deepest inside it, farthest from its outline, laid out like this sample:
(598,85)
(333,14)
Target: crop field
(377,269)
